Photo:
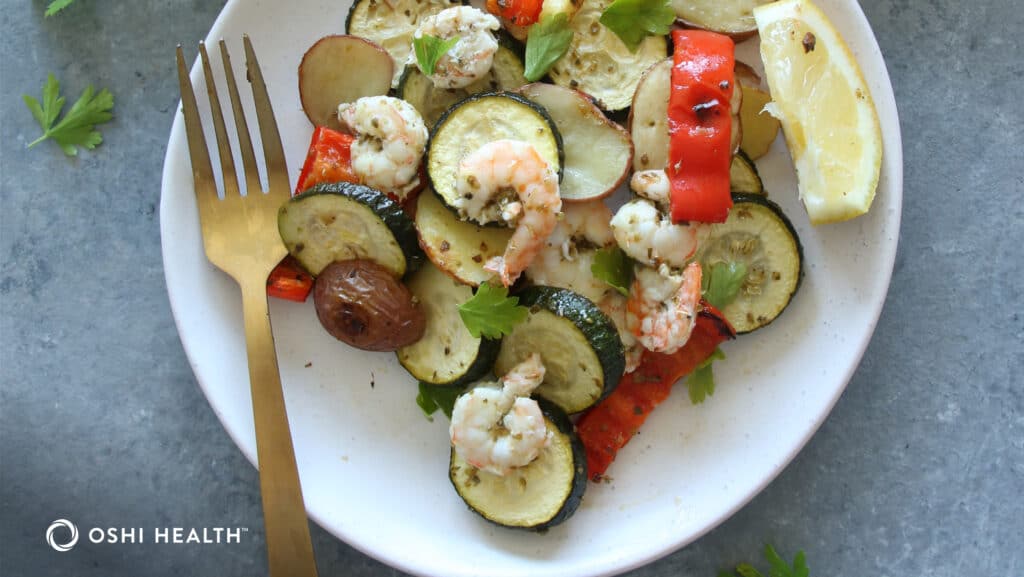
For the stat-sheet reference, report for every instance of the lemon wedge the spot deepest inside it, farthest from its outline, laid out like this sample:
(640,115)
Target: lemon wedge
(823,103)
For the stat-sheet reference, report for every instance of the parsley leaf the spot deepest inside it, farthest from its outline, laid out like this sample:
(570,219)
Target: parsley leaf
(779,567)
(56,6)
(722,282)
(613,267)
(747,570)
(491,312)
(78,127)
(701,382)
(434,397)
(429,49)
(634,20)
(547,41)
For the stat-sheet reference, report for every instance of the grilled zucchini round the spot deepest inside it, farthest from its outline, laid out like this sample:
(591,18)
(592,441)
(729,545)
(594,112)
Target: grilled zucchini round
(432,102)
(391,24)
(447,354)
(760,236)
(600,64)
(343,221)
(580,346)
(538,496)
(484,118)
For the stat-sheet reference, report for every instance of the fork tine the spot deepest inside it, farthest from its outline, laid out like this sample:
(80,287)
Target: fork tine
(227,162)
(277,171)
(252,175)
(202,170)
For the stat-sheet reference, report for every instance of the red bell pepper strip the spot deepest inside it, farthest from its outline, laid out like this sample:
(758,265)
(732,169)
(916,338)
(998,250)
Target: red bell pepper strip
(289,281)
(518,12)
(700,126)
(329,160)
(610,424)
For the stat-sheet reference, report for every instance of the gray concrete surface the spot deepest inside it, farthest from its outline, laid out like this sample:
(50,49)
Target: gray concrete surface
(918,472)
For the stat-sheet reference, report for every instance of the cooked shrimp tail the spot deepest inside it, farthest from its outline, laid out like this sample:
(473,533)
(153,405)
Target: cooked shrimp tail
(390,140)
(662,306)
(509,181)
(497,427)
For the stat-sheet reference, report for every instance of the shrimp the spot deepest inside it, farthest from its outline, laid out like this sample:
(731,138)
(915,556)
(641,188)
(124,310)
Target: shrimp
(508,181)
(390,140)
(472,56)
(496,427)
(652,185)
(662,306)
(649,236)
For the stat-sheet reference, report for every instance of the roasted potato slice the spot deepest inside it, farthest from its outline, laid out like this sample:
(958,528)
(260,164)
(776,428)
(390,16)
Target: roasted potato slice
(341,68)
(361,303)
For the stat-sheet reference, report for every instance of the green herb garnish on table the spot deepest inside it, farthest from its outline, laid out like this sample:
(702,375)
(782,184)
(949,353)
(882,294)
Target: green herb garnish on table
(778,566)
(56,6)
(78,127)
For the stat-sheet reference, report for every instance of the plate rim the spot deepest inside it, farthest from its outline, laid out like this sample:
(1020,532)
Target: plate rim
(892,164)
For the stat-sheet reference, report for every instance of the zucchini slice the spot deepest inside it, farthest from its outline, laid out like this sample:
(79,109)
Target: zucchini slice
(598,152)
(743,175)
(582,352)
(457,247)
(599,63)
(391,24)
(342,221)
(538,496)
(759,235)
(732,17)
(447,354)
(432,102)
(484,118)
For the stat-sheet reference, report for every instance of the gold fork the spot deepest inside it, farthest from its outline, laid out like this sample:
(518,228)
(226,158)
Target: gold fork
(240,237)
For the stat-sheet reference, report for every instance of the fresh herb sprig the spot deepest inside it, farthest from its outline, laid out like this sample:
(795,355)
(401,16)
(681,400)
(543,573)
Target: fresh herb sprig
(634,20)
(547,41)
(722,282)
(778,566)
(613,267)
(491,312)
(77,129)
(429,50)
(701,382)
(433,398)
(56,6)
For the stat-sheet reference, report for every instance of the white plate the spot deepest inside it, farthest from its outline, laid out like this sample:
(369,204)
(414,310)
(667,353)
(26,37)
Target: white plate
(374,471)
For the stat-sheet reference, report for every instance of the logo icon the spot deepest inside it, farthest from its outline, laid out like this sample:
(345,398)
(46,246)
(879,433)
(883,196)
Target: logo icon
(62,524)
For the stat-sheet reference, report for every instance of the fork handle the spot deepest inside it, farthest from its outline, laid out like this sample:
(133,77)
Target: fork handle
(289,547)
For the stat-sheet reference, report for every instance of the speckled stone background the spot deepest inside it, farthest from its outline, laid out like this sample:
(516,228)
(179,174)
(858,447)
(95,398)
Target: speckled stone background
(919,471)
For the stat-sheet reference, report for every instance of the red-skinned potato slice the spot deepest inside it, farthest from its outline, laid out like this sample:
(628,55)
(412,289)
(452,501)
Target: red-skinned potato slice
(598,152)
(648,120)
(732,17)
(339,69)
